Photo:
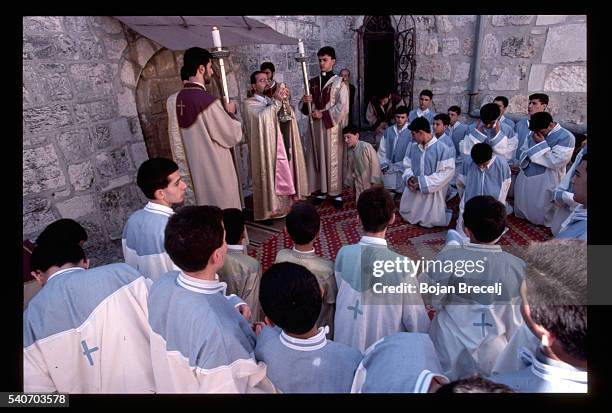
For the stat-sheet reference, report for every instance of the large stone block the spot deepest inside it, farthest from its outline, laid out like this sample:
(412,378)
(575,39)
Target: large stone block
(462,72)
(37,218)
(108,24)
(508,80)
(114,48)
(56,86)
(41,170)
(92,80)
(518,104)
(67,47)
(47,118)
(75,144)
(90,48)
(468,46)
(120,132)
(101,136)
(490,46)
(507,20)
(81,175)
(165,64)
(76,207)
(461,21)
(565,43)
(79,24)
(127,103)
(566,79)
(431,47)
(95,111)
(117,182)
(42,24)
(38,47)
(443,23)
(450,46)
(144,51)
(113,163)
(116,205)
(573,109)
(514,46)
(544,19)
(536,78)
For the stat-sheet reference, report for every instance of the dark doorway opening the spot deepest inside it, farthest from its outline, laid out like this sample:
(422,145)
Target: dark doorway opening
(379,57)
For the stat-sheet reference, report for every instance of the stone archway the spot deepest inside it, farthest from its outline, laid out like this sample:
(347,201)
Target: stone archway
(159,78)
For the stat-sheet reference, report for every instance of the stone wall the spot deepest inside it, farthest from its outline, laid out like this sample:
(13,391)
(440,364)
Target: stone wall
(521,55)
(82,140)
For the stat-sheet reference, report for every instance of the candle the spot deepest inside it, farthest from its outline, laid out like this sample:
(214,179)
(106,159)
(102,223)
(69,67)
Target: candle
(301,47)
(216,37)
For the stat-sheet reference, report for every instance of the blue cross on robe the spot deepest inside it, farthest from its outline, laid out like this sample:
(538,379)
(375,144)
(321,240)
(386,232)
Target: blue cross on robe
(483,324)
(355,309)
(87,352)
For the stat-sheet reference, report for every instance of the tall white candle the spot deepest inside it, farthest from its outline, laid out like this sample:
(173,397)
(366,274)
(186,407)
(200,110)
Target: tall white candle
(301,47)
(216,37)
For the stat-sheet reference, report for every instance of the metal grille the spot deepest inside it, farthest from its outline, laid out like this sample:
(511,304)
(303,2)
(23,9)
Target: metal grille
(405,64)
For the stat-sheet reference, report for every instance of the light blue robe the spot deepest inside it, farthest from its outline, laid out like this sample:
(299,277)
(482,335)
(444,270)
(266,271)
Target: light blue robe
(400,363)
(200,343)
(362,315)
(575,226)
(503,142)
(143,241)
(314,365)
(544,375)
(86,331)
(542,168)
(564,195)
(391,153)
(416,113)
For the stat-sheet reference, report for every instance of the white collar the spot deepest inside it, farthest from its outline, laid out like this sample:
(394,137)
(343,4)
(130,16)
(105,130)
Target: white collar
(397,132)
(198,83)
(501,118)
(421,113)
(552,370)
(488,166)
(65,270)
(299,253)
(237,248)
(158,209)
(366,240)
(201,286)
(315,342)
(555,129)
(431,142)
(482,247)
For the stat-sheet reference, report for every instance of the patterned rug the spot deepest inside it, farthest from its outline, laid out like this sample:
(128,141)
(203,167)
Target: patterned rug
(341,227)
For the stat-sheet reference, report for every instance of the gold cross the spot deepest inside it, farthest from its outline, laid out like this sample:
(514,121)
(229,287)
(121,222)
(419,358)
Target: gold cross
(180,105)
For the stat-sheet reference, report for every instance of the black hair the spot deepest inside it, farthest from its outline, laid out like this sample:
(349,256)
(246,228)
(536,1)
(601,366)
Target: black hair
(62,231)
(489,112)
(233,221)
(420,124)
(376,208)
(303,223)
(542,97)
(267,65)
(193,58)
(153,175)
(401,110)
(474,384)
(46,255)
(443,117)
(485,216)
(184,74)
(327,50)
(254,76)
(455,109)
(426,92)
(352,129)
(192,235)
(502,99)
(540,120)
(481,153)
(290,296)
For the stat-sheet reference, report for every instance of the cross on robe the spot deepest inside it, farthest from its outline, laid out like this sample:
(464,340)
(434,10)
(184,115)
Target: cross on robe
(180,105)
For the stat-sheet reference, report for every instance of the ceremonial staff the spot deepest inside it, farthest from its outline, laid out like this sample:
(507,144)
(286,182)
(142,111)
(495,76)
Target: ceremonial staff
(302,59)
(219,53)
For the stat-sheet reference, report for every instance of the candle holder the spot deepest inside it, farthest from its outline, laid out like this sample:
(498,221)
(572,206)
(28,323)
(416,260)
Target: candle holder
(220,53)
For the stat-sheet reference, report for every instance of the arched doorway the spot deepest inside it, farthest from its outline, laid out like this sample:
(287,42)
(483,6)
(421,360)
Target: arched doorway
(386,56)
(159,79)
(378,56)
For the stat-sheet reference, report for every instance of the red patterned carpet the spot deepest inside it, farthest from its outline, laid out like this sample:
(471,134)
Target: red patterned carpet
(341,227)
